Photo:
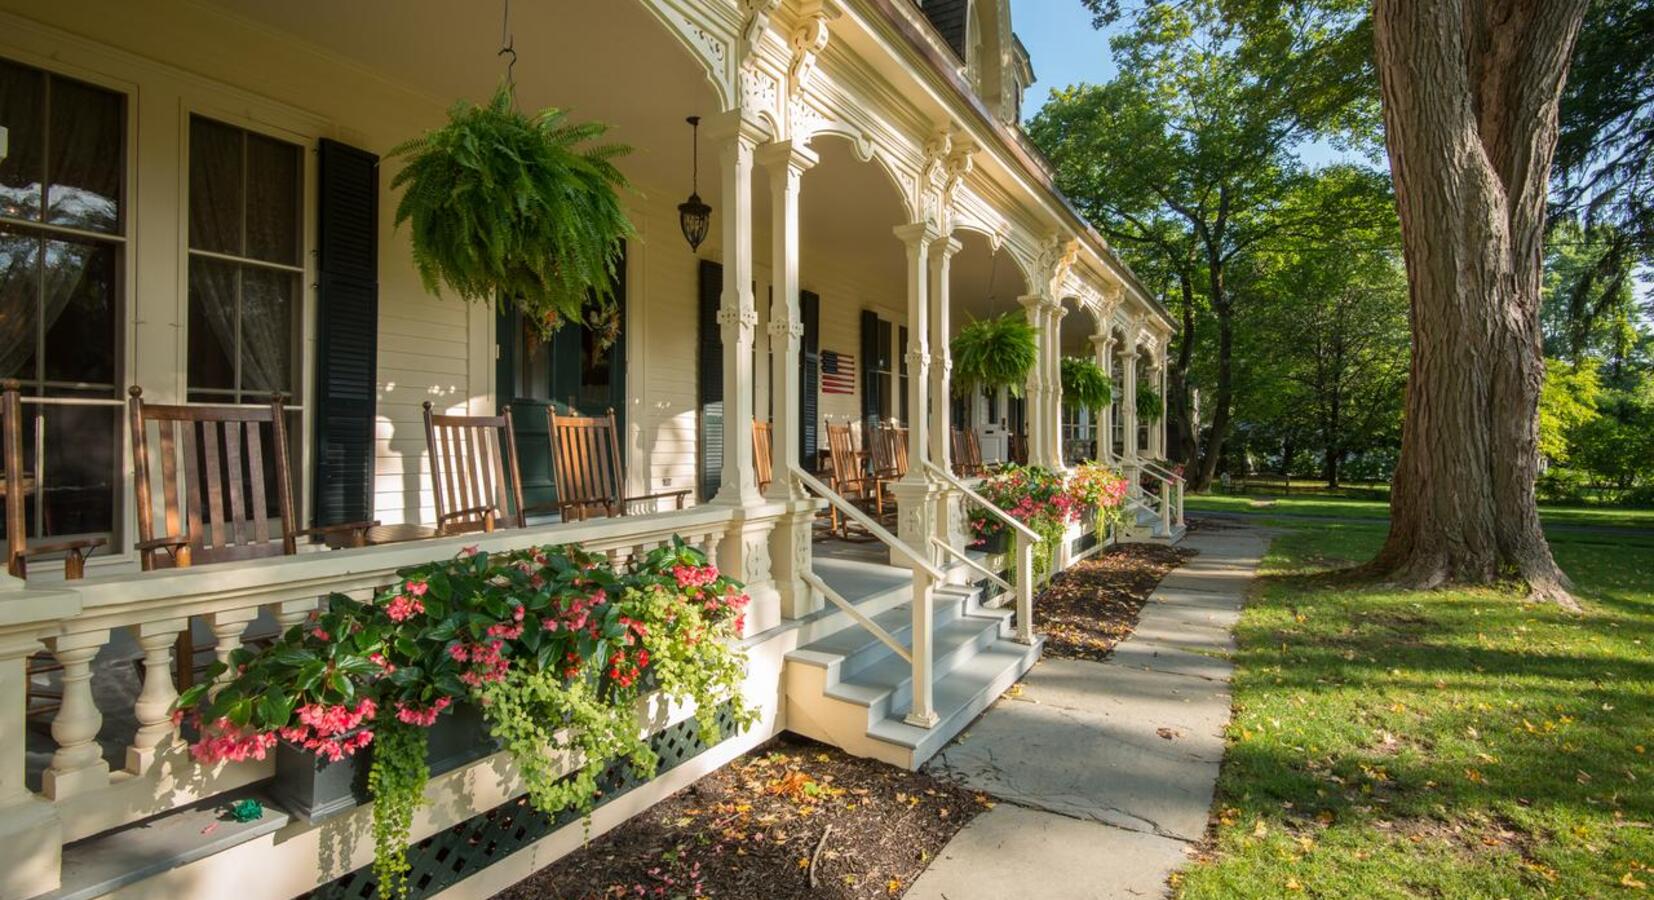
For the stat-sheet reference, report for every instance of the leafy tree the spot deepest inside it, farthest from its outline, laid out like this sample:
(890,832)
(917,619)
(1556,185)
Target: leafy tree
(1567,402)
(1181,161)
(1589,306)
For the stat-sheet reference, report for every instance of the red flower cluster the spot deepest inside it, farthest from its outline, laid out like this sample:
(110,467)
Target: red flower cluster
(578,613)
(487,664)
(626,670)
(694,576)
(224,741)
(327,730)
(426,717)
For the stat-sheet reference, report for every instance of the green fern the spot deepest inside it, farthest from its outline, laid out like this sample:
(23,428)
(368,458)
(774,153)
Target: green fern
(1148,403)
(1084,384)
(515,208)
(994,353)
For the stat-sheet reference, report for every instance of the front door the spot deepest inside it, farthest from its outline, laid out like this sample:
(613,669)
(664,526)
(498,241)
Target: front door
(568,371)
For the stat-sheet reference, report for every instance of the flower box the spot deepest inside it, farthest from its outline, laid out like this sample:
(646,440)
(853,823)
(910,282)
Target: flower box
(315,788)
(994,544)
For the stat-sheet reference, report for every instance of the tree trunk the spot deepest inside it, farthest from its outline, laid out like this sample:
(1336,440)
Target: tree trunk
(1470,90)
(1224,401)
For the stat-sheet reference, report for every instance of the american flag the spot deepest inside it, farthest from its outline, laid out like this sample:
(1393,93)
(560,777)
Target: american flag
(838,373)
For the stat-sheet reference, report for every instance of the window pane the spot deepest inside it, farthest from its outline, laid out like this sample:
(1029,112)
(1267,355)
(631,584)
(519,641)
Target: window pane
(19,304)
(80,312)
(22,112)
(86,141)
(266,329)
(215,186)
(78,482)
(212,323)
(273,187)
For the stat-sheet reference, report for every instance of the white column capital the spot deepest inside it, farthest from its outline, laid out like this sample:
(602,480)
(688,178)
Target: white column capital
(944,248)
(789,157)
(734,126)
(917,235)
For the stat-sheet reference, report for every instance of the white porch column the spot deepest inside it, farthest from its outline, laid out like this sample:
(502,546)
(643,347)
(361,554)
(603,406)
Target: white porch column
(915,492)
(1165,403)
(950,506)
(1158,382)
(1128,405)
(1034,421)
(790,548)
(1053,374)
(1103,346)
(736,136)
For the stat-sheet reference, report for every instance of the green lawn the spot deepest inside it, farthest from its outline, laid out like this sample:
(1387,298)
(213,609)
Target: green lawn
(1444,744)
(1345,507)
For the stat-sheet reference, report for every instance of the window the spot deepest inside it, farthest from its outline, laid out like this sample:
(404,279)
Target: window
(245,263)
(62,251)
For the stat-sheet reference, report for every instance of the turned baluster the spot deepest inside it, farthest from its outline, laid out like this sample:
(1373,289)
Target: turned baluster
(78,765)
(227,627)
(153,708)
(293,612)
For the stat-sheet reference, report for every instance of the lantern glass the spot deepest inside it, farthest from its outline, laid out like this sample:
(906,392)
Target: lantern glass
(693,217)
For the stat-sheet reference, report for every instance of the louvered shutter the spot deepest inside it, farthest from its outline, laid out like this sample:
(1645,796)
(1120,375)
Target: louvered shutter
(869,369)
(809,381)
(710,396)
(347,333)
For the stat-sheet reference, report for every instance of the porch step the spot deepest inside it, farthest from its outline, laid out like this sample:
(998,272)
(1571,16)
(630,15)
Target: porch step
(107,862)
(851,690)
(1144,527)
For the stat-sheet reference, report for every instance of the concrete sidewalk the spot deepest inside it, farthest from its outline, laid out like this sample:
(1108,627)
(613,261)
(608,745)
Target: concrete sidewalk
(1105,771)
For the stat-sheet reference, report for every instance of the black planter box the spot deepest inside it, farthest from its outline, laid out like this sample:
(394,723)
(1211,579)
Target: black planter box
(314,789)
(996,543)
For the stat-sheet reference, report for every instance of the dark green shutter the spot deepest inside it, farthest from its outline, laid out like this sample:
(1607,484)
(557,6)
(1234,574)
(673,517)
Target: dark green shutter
(901,351)
(347,332)
(809,382)
(710,397)
(870,357)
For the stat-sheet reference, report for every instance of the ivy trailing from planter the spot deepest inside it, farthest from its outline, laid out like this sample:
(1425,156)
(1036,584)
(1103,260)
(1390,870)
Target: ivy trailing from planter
(516,208)
(992,353)
(1084,384)
(1148,404)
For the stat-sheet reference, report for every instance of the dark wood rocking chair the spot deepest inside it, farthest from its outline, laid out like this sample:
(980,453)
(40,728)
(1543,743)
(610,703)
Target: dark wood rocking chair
(14,489)
(585,461)
(474,472)
(214,497)
(967,453)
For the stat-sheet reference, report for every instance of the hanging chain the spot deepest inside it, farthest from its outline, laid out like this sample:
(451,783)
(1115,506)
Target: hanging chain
(507,48)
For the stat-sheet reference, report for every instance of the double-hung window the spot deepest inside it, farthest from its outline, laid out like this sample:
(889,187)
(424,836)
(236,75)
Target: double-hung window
(62,264)
(245,263)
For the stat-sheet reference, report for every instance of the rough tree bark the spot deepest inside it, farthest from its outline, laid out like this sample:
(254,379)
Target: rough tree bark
(1185,437)
(1470,91)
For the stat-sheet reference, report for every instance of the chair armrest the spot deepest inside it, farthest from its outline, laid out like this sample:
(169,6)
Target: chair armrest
(355,533)
(162,543)
(65,546)
(677,495)
(472,512)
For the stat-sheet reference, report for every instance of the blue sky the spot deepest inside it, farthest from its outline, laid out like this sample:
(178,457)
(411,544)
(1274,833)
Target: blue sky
(1067,50)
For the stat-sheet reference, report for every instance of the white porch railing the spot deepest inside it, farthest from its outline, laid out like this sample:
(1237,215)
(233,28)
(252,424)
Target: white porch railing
(1170,481)
(926,576)
(1025,539)
(76,621)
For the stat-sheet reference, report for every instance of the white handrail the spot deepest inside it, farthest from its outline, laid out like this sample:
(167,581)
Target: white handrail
(889,640)
(1000,514)
(1158,471)
(987,573)
(1025,537)
(911,556)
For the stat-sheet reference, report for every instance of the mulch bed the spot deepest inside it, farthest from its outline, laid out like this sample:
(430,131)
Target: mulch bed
(793,818)
(1094,605)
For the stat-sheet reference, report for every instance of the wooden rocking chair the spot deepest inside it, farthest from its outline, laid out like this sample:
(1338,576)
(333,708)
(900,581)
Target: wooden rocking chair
(585,462)
(761,451)
(474,472)
(214,499)
(967,453)
(15,486)
(851,480)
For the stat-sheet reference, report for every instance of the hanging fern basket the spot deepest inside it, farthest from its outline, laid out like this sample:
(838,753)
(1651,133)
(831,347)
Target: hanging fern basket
(1148,404)
(994,353)
(1084,384)
(524,210)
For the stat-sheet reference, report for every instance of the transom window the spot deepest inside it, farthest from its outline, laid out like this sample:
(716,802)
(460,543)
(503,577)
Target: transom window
(245,263)
(62,254)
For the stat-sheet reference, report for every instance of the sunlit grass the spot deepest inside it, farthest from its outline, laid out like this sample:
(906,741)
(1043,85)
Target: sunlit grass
(1356,508)
(1444,744)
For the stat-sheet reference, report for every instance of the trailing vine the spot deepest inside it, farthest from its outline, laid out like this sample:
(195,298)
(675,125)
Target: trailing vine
(396,780)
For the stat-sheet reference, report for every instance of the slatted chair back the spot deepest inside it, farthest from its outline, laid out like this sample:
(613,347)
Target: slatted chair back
(1018,449)
(474,473)
(201,482)
(973,452)
(848,477)
(761,450)
(12,475)
(961,453)
(585,455)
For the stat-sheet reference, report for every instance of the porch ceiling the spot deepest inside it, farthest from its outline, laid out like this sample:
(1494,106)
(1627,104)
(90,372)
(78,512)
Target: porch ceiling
(610,61)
